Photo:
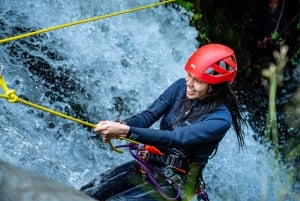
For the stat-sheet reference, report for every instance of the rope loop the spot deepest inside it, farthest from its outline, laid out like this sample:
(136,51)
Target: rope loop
(11,96)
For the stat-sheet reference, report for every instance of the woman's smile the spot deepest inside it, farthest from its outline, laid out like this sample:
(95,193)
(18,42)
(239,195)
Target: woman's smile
(195,88)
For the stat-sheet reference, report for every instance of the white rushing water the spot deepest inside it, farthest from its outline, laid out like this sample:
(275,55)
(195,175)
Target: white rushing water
(85,71)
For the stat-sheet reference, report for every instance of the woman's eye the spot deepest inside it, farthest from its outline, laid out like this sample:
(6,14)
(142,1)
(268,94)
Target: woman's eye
(198,81)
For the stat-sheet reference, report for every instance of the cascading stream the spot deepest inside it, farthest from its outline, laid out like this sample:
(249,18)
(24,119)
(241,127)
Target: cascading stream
(101,70)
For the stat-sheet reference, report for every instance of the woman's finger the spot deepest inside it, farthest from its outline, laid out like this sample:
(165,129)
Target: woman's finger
(105,138)
(102,125)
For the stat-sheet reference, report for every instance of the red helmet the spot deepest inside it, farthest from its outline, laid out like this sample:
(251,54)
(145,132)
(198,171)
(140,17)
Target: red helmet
(213,64)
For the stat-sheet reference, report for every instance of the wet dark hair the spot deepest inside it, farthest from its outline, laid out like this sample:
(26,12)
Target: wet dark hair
(221,94)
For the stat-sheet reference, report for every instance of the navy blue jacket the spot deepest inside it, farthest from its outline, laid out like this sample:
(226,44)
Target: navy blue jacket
(198,140)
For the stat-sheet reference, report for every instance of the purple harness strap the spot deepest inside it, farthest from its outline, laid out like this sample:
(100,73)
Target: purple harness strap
(147,168)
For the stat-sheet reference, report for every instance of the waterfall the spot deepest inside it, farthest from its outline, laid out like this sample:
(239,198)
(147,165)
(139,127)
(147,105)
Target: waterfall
(107,69)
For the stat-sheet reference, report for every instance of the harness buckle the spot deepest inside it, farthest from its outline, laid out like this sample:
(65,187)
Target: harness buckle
(172,161)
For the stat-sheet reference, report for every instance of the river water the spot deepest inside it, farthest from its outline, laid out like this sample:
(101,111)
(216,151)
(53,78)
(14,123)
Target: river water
(107,69)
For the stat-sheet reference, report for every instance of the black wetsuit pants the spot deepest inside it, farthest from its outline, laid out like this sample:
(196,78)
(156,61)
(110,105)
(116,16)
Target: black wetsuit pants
(126,183)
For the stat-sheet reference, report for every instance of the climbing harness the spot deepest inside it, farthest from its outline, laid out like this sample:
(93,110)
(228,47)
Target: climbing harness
(150,170)
(173,167)
(175,160)
(83,21)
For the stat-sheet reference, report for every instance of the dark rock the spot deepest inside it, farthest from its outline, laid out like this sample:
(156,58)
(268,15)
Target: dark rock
(17,184)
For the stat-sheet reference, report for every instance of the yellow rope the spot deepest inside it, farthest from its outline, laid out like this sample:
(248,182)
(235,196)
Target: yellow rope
(82,21)
(11,96)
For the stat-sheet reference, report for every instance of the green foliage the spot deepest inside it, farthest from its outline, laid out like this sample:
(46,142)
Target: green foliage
(186,5)
(275,35)
(295,58)
(233,23)
(294,153)
(197,16)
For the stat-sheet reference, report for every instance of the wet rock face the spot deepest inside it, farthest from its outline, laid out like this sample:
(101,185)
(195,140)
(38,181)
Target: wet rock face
(17,184)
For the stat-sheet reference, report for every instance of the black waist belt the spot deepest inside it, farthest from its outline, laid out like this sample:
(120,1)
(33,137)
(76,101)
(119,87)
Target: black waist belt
(170,160)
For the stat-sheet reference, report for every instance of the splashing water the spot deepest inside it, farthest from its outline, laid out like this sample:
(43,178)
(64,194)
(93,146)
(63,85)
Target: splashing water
(89,69)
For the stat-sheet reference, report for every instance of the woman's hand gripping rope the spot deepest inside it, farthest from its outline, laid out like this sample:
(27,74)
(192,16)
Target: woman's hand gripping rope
(110,130)
(113,130)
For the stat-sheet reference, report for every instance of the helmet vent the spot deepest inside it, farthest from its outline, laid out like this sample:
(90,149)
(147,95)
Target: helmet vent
(225,66)
(211,71)
(221,64)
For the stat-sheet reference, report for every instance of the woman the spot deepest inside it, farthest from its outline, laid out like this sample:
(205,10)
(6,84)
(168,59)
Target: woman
(195,112)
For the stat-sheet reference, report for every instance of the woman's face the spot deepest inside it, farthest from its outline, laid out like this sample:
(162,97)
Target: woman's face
(195,88)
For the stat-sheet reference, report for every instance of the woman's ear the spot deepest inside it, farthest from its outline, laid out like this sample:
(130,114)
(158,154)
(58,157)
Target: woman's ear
(210,89)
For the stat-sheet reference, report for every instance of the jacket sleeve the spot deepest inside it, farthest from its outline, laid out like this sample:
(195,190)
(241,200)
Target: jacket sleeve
(157,109)
(212,127)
